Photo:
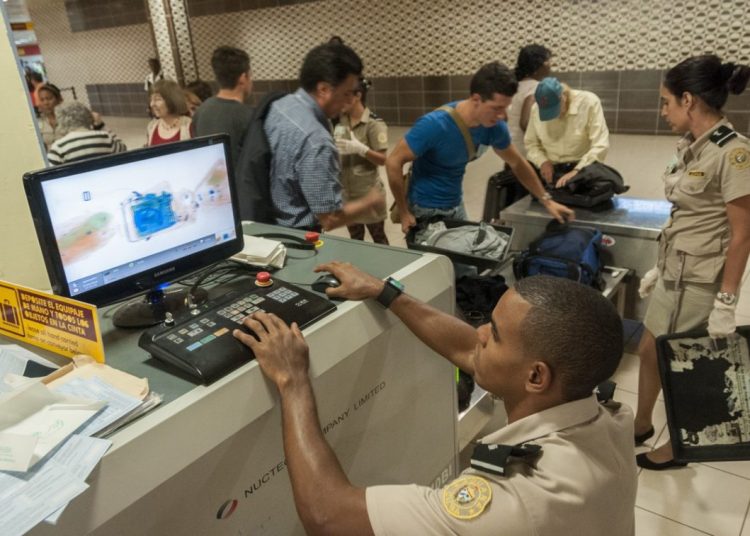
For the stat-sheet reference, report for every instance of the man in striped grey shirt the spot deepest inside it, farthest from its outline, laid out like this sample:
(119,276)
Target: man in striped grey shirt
(80,142)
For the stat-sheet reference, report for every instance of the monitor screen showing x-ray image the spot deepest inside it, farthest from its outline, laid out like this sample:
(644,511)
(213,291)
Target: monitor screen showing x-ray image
(114,222)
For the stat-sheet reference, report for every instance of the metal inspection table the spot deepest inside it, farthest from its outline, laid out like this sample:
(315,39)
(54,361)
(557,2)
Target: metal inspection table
(630,225)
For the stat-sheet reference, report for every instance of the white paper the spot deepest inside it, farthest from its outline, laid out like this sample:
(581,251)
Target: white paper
(35,411)
(79,455)
(26,355)
(10,364)
(16,451)
(118,403)
(15,381)
(27,500)
(259,247)
(13,360)
(260,251)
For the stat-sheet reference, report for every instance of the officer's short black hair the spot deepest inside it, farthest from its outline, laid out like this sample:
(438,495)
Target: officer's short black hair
(228,64)
(708,78)
(493,78)
(330,62)
(530,59)
(574,329)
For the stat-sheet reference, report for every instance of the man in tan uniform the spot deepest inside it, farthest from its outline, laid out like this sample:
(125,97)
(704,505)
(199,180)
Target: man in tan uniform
(563,465)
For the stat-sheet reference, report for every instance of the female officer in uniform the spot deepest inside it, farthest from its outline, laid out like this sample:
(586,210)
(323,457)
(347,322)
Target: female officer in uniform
(362,140)
(704,246)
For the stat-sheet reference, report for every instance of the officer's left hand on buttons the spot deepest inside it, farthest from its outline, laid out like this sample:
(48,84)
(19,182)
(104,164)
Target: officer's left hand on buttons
(244,329)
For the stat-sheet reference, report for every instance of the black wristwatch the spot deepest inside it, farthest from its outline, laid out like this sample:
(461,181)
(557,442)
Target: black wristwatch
(391,290)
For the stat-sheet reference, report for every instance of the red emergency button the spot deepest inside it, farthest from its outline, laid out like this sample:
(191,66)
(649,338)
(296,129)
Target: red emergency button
(313,238)
(263,279)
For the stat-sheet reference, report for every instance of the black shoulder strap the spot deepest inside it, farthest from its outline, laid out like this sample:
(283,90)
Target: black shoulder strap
(723,135)
(261,111)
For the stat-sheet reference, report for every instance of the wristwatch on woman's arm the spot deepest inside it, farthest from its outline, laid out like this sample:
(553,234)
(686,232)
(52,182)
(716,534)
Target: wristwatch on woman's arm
(727,298)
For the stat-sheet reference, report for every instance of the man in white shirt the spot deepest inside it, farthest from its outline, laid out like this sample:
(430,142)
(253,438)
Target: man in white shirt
(566,132)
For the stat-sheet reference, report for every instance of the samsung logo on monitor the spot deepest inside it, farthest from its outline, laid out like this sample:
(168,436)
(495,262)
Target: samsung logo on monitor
(165,271)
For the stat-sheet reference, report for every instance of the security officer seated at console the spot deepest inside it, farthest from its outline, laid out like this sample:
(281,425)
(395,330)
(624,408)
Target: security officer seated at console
(563,464)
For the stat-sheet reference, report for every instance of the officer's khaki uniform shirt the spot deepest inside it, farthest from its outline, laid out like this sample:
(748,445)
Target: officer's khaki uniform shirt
(584,482)
(579,136)
(358,174)
(704,177)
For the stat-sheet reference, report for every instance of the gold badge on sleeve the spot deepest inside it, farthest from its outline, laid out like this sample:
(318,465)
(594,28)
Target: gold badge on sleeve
(739,158)
(467,497)
(382,137)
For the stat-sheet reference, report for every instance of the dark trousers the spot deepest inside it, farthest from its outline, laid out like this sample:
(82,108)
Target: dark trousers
(377,232)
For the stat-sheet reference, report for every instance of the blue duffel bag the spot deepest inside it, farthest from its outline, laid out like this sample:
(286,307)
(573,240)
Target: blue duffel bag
(564,251)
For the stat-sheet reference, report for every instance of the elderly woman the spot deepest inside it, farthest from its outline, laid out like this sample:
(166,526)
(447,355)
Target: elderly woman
(80,141)
(170,109)
(566,131)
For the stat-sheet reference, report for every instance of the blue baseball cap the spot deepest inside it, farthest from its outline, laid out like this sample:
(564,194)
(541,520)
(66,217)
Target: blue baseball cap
(548,95)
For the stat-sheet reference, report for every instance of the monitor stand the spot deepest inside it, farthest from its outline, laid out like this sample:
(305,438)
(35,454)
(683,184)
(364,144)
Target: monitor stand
(154,306)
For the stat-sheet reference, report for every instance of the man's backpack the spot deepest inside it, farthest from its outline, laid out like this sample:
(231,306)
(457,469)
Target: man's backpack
(253,173)
(564,251)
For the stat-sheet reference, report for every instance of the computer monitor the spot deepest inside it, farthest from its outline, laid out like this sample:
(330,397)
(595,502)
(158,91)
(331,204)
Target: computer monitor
(130,223)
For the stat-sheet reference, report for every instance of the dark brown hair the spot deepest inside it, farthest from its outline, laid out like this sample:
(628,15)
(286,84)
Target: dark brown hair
(708,78)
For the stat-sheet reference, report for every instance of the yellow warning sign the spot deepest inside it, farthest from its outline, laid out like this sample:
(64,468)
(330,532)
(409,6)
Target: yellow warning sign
(61,325)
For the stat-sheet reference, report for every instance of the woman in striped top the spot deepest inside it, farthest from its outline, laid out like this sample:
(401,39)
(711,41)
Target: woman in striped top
(80,141)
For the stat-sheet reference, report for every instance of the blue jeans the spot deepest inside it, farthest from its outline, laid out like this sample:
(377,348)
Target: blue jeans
(425,213)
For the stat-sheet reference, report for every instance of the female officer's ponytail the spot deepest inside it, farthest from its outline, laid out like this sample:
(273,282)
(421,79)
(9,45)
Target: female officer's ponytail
(707,78)
(737,77)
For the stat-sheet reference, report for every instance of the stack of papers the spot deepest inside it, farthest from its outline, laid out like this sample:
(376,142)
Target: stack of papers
(260,251)
(47,437)
(18,364)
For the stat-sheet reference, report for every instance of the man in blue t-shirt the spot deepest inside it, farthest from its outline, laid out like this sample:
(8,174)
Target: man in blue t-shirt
(437,147)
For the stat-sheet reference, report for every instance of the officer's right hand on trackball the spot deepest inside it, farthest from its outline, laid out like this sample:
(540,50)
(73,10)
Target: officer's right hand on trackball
(355,284)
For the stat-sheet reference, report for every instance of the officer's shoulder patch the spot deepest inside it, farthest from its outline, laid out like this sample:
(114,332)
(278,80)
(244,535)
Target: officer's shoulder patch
(382,137)
(467,497)
(739,158)
(373,115)
(723,135)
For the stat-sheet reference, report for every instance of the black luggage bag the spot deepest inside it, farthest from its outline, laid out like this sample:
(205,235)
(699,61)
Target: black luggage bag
(502,190)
